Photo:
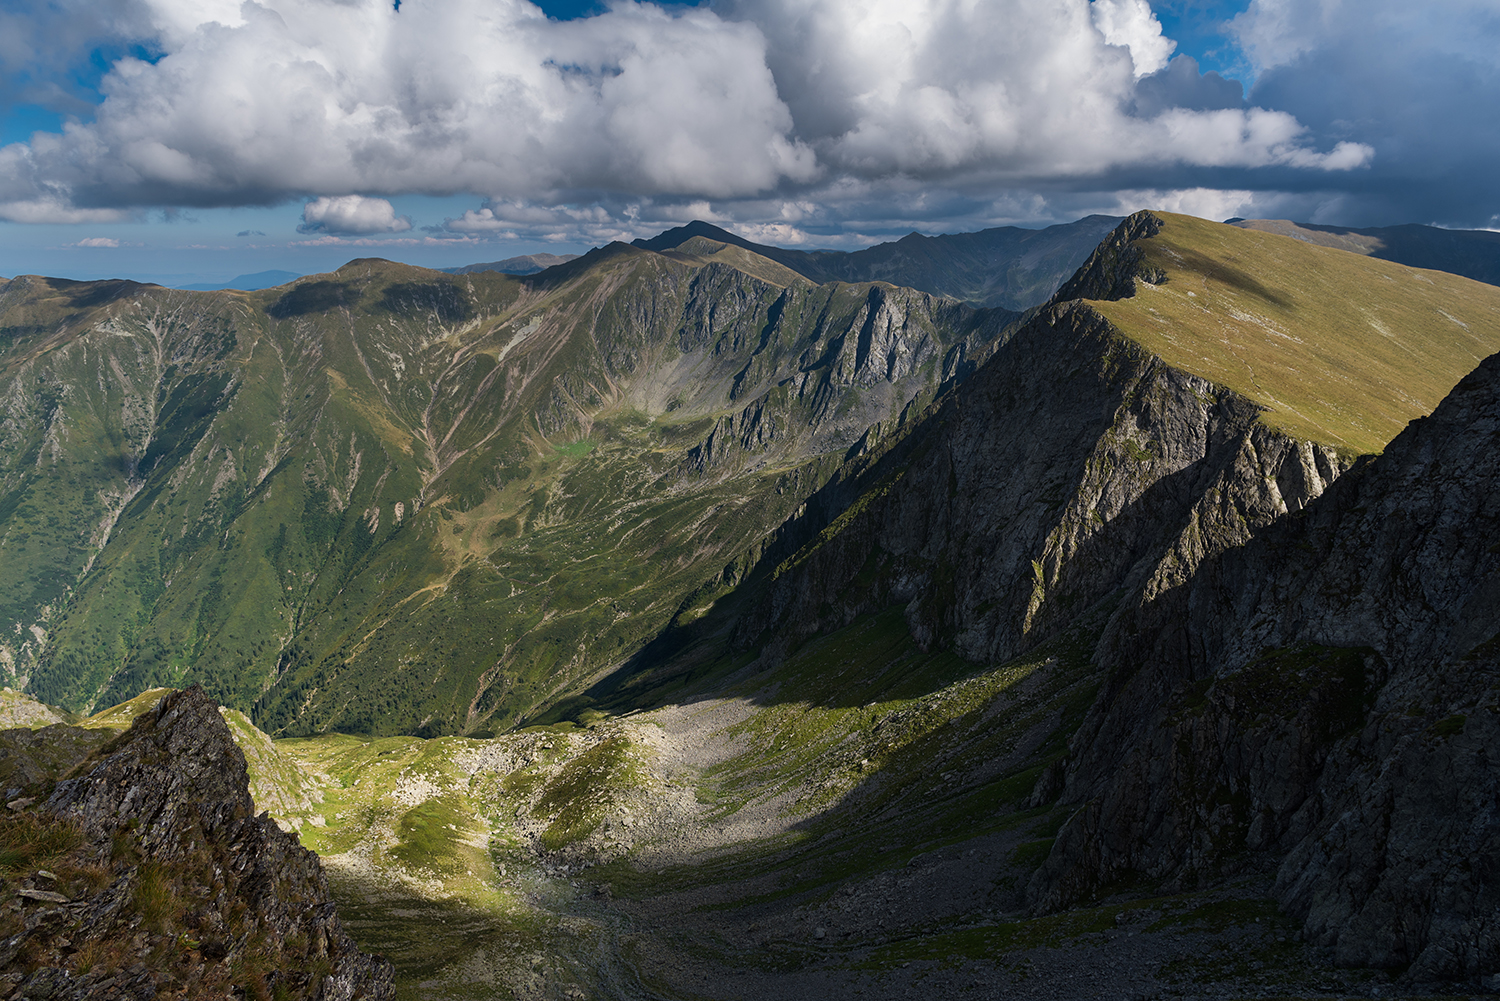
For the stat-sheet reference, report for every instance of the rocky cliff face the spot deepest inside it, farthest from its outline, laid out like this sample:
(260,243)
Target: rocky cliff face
(822,365)
(145,873)
(1069,466)
(1300,661)
(1323,698)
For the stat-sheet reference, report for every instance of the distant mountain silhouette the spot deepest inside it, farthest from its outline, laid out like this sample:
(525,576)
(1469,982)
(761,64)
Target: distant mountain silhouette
(1008,267)
(1472,253)
(527,264)
(248,283)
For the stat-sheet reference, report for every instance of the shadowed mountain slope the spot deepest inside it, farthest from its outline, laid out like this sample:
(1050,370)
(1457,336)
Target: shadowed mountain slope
(1325,696)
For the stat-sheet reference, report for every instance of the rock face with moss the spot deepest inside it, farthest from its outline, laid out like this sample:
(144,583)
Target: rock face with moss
(146,873)
(1324,697)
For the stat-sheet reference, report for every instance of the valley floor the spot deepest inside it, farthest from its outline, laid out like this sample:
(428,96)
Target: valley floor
(784,841)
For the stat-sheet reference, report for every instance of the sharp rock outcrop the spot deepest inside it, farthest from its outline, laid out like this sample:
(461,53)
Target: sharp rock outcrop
(145,873)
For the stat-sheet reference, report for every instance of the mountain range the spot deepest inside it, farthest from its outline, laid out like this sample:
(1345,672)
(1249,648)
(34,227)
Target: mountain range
(1473,253)
(702,618)
(1007,267)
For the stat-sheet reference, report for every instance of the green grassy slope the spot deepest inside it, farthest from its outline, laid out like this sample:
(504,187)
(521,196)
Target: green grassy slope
(1339,348)
(386,499)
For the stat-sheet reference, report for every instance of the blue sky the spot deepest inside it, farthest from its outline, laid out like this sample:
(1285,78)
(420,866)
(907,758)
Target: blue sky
(1199,29)
(194,140)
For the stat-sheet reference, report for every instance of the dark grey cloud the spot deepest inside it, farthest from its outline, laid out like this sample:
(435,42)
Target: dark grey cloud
(1422,92)
(1183,85)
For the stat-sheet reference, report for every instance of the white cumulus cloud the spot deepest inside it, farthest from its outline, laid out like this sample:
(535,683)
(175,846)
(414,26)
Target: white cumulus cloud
(255,101)
(351,214)
(260,101)
(1013,91)
(1132,24)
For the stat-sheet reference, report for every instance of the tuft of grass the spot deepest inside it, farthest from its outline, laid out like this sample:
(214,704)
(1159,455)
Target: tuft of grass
(154,896)
(29,841)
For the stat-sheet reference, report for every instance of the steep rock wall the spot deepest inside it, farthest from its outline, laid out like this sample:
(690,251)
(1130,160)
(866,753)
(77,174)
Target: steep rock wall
(1325,696)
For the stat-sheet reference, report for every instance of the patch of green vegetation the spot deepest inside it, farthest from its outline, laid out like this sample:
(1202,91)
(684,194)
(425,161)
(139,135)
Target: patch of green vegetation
(120,717)
(578,797)
(1450,727)
(431,837)
(1339,348)
(1136,451)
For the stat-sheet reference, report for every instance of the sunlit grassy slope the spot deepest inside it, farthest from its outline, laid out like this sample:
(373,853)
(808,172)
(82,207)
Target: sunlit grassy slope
(1340,348)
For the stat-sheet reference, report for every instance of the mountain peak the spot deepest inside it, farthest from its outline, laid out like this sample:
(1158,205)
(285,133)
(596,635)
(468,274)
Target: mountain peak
(681,234)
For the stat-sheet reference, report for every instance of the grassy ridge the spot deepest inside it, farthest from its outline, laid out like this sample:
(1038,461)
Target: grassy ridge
(1340,348)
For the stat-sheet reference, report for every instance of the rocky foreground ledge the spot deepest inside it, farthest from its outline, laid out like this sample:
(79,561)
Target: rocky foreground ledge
(142,871)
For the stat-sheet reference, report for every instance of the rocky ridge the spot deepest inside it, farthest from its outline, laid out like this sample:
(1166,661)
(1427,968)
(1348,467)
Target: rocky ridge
(1071,466)
(1299,663)
(1007,268)
(1324,697)
(145,873)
